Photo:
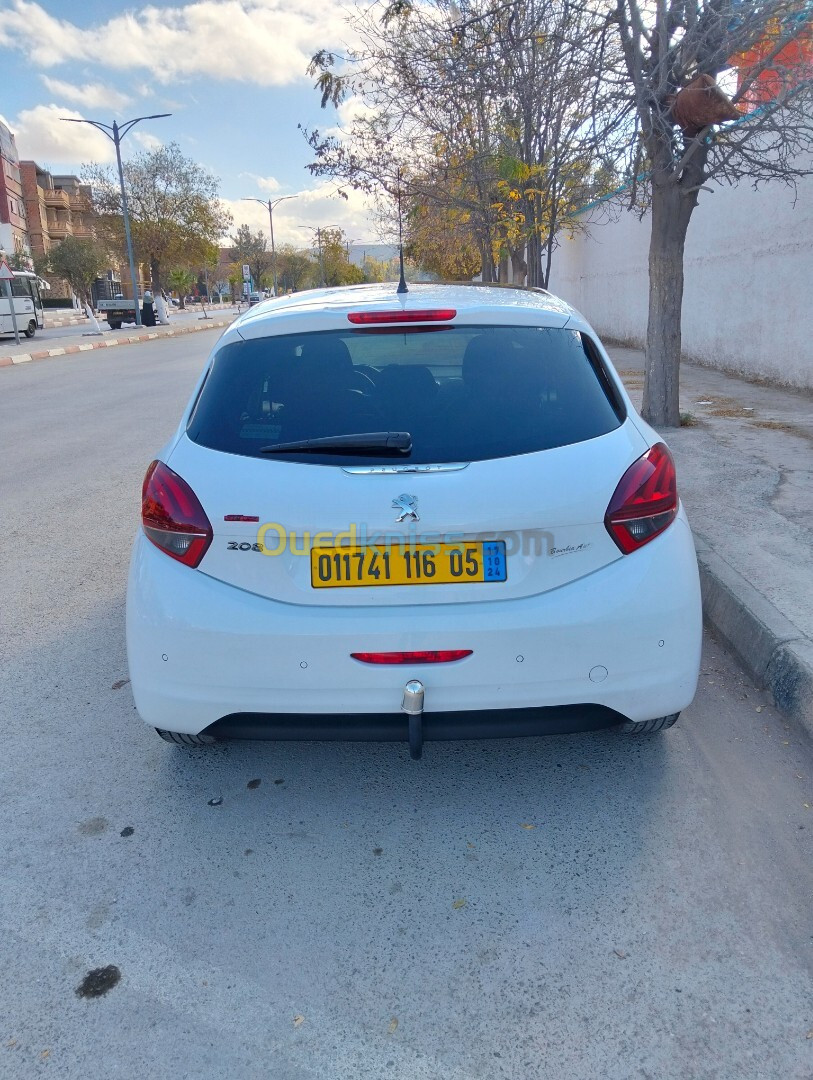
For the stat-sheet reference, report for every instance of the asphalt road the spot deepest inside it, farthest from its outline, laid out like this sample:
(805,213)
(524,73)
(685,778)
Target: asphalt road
(57,335)
(346,913)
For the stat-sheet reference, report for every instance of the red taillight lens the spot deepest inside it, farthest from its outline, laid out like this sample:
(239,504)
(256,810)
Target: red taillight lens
(439,656)
(367,318)
(645,501)
(172,517)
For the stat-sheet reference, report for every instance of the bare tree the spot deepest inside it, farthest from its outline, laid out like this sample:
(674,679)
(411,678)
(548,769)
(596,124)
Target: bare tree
(484,111)
(673,51)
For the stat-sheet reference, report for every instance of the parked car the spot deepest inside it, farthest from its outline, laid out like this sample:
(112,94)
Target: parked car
(255,298)
(422,516)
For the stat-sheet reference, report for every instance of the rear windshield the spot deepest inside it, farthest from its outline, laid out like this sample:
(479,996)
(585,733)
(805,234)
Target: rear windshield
(464,393)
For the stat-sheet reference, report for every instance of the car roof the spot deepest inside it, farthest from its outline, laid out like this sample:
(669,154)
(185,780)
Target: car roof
(325,309)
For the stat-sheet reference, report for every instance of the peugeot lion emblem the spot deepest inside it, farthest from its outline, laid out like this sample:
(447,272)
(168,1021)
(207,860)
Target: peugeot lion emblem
(408,505)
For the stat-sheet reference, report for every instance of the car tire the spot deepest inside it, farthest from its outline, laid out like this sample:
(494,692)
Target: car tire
(180,739)
(114,325)
(31,329)
(644,727)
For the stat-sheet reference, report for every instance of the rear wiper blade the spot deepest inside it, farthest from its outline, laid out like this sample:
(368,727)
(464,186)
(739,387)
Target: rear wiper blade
(395,442)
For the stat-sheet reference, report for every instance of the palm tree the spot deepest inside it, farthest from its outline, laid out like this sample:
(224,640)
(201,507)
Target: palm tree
(181,281)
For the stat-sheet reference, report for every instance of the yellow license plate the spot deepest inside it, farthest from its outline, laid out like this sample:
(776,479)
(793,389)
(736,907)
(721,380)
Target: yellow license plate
(418,564)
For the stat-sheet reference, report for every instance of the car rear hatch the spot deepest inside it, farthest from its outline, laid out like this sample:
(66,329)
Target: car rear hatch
(516,436)
(546,508)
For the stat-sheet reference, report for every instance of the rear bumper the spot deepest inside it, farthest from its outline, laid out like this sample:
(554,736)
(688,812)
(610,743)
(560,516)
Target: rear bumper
(201,651)
(393,727)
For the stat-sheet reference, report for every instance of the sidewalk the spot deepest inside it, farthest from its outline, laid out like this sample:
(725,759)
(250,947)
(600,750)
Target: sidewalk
(745,475)
(27,350)
(57,317)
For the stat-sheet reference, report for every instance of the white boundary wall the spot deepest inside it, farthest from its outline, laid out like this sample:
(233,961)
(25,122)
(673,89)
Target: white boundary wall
(748,296)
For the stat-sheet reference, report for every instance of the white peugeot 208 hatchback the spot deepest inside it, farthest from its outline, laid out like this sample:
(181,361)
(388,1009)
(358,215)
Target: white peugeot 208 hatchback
(409,516)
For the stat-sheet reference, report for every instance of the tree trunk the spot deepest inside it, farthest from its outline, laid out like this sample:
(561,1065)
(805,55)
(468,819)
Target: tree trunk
(535,253)
(548,259)
(519,268)
(671,211)
(155,274)
(487,262)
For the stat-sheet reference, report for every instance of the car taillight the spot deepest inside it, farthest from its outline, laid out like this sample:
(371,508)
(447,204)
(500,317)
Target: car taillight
(172,517)
(645,501)
(424,656)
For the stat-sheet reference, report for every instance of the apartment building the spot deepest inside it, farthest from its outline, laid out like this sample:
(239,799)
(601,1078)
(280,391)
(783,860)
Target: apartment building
(13,230)
(56,206)
(59,205)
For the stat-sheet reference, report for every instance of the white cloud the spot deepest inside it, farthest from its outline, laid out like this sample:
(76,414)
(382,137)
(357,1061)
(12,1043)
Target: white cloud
(90,96)
(265,42)
(264,183)
(43,136)
(315,207)
(147,140)
(350,110)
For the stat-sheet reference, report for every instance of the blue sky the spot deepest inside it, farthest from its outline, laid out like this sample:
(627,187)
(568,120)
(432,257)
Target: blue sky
(232,73)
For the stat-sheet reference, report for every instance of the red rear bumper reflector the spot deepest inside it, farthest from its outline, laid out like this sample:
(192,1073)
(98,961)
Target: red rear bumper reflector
(439,656)
(376,317)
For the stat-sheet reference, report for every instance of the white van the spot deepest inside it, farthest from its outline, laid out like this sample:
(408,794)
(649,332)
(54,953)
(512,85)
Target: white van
(25,291)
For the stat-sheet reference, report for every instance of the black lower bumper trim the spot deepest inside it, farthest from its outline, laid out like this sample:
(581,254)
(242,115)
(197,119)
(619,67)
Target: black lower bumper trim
(394,727)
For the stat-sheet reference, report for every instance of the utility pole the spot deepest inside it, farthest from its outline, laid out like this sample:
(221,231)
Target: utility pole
(270,206)
(350,244)
(116,134)
(319,230)
(322,281)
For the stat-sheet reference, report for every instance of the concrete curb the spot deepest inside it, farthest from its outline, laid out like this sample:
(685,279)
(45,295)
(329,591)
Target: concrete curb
(775,653)
(109,343)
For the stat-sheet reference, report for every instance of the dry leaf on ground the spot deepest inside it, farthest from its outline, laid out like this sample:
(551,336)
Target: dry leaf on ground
(458,904)
(393,1026)
(299,1021)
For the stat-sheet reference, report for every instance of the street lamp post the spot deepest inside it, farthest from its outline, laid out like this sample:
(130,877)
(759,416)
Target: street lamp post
(270,205)
(116,134)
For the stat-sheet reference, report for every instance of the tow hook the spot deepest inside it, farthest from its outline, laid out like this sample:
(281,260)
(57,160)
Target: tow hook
(412,705)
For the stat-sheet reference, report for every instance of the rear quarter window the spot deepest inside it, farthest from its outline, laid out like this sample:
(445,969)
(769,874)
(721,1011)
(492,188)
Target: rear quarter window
(463,393)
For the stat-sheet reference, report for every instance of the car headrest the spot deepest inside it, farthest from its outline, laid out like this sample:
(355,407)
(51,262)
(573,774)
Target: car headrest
(494,365)
(407,382)
(325,359)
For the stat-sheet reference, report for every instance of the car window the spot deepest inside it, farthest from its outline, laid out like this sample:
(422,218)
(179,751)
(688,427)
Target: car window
(464,393)
(21,287)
